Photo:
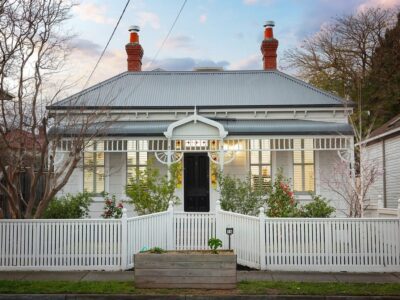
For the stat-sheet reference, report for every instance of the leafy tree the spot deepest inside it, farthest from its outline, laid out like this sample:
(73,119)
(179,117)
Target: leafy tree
(240,195)
(382,86)
(69,207)
(151,192)
(339,57)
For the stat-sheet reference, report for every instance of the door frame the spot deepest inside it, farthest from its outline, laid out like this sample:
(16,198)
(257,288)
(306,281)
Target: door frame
(184,181)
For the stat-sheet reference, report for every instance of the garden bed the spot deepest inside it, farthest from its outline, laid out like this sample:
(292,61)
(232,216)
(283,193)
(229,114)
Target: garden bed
(186,269)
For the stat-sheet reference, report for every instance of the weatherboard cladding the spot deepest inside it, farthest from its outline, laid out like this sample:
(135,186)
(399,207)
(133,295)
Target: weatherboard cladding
(234,127)
(162,89)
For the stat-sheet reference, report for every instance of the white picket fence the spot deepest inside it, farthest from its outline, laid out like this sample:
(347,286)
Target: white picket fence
(358,245)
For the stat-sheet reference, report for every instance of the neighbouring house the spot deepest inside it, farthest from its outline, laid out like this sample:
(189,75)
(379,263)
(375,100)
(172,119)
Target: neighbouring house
(252,122)
(382,148)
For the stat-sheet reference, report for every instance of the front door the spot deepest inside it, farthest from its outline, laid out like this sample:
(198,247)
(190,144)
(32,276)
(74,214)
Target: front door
(196,182)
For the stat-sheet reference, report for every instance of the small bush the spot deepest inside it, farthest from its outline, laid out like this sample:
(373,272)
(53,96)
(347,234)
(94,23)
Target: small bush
(151,192)
(214,244)
(318,208)
(157,250)
(112,210)
(69,207)
(240,196)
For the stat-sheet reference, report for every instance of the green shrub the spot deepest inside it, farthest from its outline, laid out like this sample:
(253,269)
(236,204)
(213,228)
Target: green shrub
(69,207)
(214,244)
(318,208)
(150,192)
(240,196)
(112,210)
(157,250)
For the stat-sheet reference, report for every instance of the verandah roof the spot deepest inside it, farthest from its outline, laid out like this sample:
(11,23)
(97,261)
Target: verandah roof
(234,127)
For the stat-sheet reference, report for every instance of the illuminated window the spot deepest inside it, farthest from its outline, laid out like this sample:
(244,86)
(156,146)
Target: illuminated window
(303,165)
(93,168)
(136,161)
(260,162)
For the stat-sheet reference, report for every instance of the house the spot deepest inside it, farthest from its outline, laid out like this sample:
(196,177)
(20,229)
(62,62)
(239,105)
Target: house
(382,149)
(242,122)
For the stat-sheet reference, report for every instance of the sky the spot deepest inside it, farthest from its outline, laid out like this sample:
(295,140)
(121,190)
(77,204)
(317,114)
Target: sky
(209,33)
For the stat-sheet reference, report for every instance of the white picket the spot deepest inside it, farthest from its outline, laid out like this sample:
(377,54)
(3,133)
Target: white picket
(287,244)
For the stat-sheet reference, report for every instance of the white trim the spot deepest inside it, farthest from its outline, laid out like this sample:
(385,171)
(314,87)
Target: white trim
(195,118)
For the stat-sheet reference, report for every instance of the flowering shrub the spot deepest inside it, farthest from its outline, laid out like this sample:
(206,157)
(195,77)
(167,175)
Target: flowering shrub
(281,201)
(112,210)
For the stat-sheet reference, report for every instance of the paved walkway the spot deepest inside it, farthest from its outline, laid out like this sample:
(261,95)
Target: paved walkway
(242,275)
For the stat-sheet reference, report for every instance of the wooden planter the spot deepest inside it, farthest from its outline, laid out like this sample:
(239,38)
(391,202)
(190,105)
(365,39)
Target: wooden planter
(186,269)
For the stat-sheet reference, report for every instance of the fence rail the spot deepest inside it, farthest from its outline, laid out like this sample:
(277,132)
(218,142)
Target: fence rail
(362,245)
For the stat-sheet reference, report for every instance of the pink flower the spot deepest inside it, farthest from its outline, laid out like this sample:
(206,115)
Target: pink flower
(120,205)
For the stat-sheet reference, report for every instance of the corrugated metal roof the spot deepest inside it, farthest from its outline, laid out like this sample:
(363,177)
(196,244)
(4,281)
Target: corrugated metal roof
(165,89)
(234,127)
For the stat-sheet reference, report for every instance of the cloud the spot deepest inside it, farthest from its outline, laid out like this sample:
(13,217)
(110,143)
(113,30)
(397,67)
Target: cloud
(378,3)
(203,18)
(93,12)
(183,64)
(255,2)
(179,42)
(252,62)
(148,18)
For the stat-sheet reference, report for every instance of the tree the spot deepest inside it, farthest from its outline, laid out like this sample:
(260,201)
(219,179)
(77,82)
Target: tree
(33,47)
(339,57)
(382,85)
(352,190)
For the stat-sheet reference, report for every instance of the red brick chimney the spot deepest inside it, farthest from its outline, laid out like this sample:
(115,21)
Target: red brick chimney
(134,50)
(269,46)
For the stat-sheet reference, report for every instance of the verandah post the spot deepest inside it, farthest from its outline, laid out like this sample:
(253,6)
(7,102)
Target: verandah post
(170,227)
(124,240)
(261,215)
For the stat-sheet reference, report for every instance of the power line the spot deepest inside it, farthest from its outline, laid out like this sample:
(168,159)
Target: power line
(169,33)
(108,42)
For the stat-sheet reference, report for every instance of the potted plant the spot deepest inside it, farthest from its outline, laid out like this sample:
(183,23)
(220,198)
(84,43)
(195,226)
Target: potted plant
(207,269)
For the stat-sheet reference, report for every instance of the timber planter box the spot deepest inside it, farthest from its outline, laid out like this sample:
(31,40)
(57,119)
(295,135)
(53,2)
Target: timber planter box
(186,269)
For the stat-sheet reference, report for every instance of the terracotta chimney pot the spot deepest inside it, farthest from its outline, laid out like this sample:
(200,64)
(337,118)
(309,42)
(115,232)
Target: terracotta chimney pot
(134,50)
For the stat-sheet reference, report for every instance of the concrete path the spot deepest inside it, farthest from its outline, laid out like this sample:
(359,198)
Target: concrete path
(242,275)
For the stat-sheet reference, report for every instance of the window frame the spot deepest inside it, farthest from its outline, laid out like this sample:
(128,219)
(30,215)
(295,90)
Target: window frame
(137,166)
(94,168)
(260,163)
(303,165)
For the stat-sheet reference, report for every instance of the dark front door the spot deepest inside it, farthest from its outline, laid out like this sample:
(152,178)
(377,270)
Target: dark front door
(196,182)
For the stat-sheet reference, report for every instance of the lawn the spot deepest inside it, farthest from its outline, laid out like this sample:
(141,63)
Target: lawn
(244,288)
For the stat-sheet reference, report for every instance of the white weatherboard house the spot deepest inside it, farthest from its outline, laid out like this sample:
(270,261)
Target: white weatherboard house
(243,122)
(382,151)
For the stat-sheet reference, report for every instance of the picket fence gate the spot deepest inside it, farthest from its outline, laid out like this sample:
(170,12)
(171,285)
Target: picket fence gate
(298,244)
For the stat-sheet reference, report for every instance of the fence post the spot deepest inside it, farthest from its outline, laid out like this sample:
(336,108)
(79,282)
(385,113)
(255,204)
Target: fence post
(170,227)
(124,240)
(218,219)
(261,237)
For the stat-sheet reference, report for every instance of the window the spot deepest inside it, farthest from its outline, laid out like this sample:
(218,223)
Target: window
(93,168)
(260,162)
(136,161)
(303,165)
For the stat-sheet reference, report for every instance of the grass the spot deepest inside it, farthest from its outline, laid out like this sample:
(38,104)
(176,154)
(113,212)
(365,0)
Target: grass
(320,288)
(244,288)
